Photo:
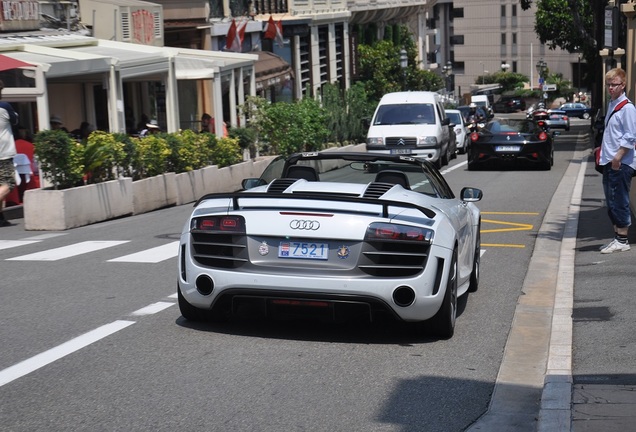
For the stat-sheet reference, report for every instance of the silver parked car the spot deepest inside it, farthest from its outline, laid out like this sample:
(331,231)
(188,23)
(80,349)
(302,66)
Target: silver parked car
(558,119)
(334,235)
(461,133)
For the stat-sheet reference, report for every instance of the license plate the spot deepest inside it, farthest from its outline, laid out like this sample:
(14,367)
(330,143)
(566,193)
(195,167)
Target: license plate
(303,250)
(400,151)
(507,148)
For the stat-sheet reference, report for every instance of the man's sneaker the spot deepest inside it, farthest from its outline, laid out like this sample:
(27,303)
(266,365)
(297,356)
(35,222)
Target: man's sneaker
(615,246)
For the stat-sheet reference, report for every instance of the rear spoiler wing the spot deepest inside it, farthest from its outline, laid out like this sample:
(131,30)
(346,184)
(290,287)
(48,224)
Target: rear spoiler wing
(239,196)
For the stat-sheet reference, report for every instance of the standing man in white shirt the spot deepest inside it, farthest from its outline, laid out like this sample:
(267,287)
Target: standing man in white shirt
(617,158)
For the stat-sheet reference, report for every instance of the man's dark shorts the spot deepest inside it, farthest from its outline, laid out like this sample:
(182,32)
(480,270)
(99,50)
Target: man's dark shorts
(7,173)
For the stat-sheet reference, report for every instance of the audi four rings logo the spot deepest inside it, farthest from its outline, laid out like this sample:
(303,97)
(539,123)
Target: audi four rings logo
(311,225)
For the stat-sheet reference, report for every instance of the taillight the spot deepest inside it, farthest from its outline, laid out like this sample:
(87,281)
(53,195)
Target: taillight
(386,231)
(541,123)
(474,136)
(543,136)
(218,223)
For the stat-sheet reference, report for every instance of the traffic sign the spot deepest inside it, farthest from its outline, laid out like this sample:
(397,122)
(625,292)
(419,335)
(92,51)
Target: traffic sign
(549,87)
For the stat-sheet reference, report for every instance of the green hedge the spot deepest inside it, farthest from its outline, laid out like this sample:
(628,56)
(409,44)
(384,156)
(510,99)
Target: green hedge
(104,156)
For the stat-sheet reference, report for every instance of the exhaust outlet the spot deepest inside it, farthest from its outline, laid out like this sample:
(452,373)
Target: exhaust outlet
(404,296)
(204,285)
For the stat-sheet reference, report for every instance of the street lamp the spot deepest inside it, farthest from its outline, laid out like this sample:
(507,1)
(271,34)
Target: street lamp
(448,71)
(483,72)
(504,67)
(404,62)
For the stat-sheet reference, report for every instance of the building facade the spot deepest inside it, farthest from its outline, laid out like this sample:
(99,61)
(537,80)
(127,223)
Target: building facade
(317,45)
(488,34)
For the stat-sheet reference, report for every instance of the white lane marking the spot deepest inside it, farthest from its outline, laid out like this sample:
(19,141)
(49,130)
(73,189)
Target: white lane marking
(454,167)
(481,252)
(36,362)
(152,309)
(45,236)
(8,244)
(154,255)
(68,251)
(173,296)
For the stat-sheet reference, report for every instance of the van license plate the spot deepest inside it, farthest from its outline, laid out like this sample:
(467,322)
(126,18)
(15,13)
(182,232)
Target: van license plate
(400,151)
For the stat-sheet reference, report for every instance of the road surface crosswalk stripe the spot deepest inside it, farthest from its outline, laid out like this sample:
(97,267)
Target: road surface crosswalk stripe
(68,251)
(154,255)
(8,244)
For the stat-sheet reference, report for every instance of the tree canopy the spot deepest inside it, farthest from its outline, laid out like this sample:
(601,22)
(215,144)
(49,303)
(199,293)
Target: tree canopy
(380,69)
(566,24)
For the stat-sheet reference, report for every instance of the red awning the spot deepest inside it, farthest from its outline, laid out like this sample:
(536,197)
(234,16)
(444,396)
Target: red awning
(7,63)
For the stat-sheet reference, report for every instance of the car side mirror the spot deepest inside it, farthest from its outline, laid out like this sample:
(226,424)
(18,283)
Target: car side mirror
(446,122)
(470,194)
(250,183)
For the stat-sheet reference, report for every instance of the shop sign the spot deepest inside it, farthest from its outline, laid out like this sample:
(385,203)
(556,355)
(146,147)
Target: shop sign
(143,26)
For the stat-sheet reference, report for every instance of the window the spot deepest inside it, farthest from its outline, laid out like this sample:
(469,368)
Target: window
(458,13)
(514,10)
(503,39)
(457,40)
(503,10)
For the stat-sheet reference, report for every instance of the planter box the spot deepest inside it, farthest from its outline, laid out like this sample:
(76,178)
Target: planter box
(154,193)
(193,185)
(56,210)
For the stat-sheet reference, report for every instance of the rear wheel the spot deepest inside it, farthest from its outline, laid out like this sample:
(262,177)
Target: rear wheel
(586,116)
(190,312)
(442,325)
(473,286)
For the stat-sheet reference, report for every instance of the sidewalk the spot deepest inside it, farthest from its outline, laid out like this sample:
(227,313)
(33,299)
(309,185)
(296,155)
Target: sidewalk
(604,328)
(568,365)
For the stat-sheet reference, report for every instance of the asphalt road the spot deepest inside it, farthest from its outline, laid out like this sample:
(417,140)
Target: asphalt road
(92,339)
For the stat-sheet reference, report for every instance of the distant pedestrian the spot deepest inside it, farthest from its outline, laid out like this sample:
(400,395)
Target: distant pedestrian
(8,118)
(57,124)
(82,132)
(617,159)
(152,127)
(208,124)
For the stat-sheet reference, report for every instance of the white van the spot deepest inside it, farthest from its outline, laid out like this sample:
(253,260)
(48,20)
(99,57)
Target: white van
(413,123)
(484,102)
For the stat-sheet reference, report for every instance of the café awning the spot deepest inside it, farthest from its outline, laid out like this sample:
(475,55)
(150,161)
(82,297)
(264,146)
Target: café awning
(8,63)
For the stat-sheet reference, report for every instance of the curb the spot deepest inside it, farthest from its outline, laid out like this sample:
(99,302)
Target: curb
(555,413)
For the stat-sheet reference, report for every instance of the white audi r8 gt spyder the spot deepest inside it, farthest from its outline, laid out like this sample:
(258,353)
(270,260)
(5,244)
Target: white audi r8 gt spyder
(334,235)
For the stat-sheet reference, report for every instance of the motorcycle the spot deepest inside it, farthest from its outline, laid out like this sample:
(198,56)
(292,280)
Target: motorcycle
(475,125)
